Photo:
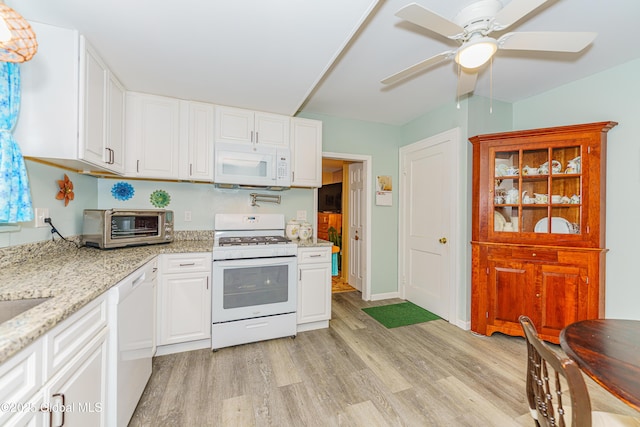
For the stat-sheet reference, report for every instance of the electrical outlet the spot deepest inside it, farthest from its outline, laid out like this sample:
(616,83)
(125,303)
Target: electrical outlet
(40,214)
(301,216)
(187,216)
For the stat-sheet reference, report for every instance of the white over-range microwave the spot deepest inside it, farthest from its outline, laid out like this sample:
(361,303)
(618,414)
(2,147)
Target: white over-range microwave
(240,165)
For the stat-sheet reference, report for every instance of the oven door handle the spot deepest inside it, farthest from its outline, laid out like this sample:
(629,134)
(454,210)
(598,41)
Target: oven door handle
(254,262)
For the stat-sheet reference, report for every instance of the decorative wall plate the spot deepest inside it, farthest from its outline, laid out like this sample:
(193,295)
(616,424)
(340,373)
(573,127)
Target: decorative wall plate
(122,191)
(160,198)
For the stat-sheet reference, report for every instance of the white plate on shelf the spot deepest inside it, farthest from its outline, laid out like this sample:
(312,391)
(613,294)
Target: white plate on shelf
(558,225)
(498,221)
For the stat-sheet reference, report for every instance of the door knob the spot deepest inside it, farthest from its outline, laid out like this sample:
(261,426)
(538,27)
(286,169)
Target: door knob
(357,237)
(443,240)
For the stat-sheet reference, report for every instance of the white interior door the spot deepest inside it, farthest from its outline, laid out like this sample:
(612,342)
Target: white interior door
(356,225)
(426,223)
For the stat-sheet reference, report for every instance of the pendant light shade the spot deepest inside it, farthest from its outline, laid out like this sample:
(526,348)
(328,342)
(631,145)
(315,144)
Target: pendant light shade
(17,39)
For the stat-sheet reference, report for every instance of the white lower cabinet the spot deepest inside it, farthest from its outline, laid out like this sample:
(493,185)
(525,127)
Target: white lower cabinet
(61,378)
(314,288)
(76,395)
(184,300)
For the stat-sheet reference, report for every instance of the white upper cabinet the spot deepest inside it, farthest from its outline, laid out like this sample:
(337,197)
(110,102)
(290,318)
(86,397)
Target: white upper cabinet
(237,125)
(152,136)
(197,141)
(65,113)
(115,125)
(306,152)
(169,138)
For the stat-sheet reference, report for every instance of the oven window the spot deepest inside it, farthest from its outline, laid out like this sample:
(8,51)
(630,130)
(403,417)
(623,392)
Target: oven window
(129,226)
(249,286)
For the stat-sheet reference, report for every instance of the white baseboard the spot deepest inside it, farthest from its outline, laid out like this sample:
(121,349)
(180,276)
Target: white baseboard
(162,350)
(388,295)
(312,326)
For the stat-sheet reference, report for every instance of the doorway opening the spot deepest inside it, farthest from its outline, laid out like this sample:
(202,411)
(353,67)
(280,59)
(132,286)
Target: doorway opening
(343,217)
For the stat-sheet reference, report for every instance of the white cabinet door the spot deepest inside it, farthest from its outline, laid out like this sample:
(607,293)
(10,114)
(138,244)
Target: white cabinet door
(115,125)
(314,284)
(152,136)
(93,101)
(77,393)
(184,308)
(184,298)
(200,141)
(234,125)
(271,129)
(20,378)
(64,108)
(237,125)
(306,152)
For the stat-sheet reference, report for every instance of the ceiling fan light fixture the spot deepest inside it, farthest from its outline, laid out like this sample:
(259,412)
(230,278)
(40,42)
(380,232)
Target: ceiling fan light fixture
(476,52)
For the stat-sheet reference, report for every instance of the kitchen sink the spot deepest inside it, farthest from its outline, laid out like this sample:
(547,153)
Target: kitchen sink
(12,308)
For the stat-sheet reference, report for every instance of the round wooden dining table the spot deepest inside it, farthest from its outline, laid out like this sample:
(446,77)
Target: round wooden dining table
(608,351)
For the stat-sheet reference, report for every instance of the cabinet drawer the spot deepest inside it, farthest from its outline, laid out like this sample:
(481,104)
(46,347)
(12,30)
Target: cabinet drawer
(66,339)
(185,263)
(20,377)
(535,254)
(525,254)
(314,255)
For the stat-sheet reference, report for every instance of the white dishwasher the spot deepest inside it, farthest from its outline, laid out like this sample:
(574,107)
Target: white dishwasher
(132,313)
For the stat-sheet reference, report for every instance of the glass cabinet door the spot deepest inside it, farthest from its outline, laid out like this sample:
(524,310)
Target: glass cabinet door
(538,190)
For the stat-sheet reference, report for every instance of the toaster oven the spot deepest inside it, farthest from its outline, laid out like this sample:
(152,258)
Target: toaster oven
(117,228)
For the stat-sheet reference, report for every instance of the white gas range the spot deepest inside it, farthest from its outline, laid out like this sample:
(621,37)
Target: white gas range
(254,280)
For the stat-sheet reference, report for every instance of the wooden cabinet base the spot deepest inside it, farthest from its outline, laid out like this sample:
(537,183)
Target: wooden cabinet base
(553,286)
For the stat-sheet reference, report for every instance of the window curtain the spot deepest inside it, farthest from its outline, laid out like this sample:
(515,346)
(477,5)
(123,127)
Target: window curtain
(15,195)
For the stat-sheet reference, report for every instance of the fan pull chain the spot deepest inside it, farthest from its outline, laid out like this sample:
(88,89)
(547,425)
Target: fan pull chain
(491,86)
(458,84)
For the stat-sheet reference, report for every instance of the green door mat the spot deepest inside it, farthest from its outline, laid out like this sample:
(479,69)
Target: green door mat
(402,314)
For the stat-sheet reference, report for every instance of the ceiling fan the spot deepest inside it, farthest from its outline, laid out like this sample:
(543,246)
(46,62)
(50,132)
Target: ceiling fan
(471,28)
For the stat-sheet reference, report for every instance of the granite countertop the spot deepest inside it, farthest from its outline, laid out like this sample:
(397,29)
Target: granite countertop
(311,243)
(72,277)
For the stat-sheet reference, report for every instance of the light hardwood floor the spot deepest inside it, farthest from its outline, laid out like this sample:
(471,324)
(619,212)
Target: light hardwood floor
(355,373)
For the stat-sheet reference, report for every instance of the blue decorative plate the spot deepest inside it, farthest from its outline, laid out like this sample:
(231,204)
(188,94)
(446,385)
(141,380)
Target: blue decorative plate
(160,198)
(122,191)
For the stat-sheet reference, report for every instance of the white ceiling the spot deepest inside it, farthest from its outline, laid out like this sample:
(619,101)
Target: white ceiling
(325,56)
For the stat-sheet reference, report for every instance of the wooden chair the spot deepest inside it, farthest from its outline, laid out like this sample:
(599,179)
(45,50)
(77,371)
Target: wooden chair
(556,390)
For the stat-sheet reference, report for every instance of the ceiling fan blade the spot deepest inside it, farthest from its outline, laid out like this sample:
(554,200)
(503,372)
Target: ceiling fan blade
(514,11)
(550,41)
(425,18)
(417,67)
(466,81)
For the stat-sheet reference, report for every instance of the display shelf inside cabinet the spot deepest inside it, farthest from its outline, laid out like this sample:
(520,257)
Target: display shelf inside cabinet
(538,235)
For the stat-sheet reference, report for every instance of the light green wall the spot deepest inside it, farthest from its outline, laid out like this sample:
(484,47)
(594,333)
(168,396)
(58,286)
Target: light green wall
(613,95)
(381,142)
(44,188)
(203,201)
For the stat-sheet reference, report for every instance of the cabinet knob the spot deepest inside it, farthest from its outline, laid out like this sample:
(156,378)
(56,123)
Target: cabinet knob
(537,295)
(533,254)
(443,240)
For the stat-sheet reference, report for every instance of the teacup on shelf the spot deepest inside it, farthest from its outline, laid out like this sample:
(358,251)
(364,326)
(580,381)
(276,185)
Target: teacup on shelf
(528,170)
(541,199)
(511,171)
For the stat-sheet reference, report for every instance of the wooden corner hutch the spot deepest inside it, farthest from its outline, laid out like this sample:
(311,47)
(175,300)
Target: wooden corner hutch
(538,230)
